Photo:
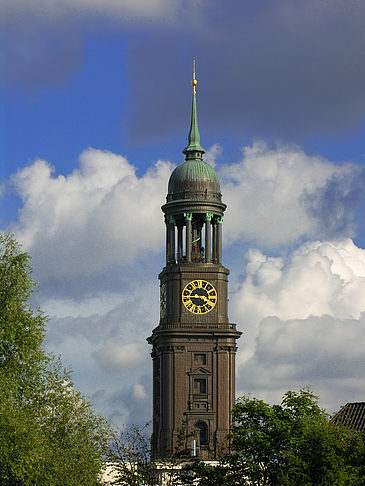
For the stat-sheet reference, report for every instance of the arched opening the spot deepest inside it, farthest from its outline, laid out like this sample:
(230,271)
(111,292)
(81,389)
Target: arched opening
(201,429)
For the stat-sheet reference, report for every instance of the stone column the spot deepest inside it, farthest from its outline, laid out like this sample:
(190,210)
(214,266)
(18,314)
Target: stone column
(172,239)
(179,243)
(219,240)
(188,218)
(167,240)
(214,241)
(208,237)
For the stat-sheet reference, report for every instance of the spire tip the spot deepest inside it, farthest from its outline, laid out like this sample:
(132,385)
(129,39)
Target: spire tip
(194,82)
(194,150)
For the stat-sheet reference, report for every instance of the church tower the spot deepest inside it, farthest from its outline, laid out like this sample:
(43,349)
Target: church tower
(194,345)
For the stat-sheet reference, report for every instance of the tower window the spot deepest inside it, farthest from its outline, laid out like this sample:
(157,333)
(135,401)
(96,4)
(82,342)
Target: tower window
(200,385)
(200,359)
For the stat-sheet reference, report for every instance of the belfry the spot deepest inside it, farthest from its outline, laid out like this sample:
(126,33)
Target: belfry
(194,345)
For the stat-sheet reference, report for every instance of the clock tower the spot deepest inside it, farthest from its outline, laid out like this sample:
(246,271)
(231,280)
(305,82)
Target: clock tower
(194,345)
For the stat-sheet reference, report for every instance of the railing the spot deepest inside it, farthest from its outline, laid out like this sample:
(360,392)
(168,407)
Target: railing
(198,325)
(194,259)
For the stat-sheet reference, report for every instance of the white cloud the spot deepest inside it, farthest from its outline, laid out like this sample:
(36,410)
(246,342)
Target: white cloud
(109,355)
(139,393)
(275,196)
(303,318)
(99,215)
(103,215)
(119,358)
(99,304)
(133,402)
(322,352)
(212,153)
(122,9)
(317,278)
(88,227)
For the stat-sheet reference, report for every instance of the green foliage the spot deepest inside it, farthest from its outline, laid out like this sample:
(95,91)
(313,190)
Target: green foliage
(49,434)
(207,474)
(287,444)
(21,329)
(356,456)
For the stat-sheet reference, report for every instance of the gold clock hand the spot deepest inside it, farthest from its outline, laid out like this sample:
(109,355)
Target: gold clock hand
(203,297)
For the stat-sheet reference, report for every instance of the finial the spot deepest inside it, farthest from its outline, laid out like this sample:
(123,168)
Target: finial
(194,150)
(194,82)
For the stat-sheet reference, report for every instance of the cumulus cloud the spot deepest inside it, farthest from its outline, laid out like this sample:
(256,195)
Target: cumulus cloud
(139,392)
(132,404)
(118,358)
(108,333)
(315,279)
(322,352)
(281,195)
(109,354)
(102,224)
(303,322)
(303,318)
(101,214)
(213,152)
(95,232)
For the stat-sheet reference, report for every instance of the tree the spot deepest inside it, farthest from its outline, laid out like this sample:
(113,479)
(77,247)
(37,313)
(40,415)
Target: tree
(132,463)
(49,434)
(204,474)
(291,443)
(286,444)
(130,454)
(356,456)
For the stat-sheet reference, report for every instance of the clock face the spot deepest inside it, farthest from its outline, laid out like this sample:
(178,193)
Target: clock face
(199,296)
(163,300)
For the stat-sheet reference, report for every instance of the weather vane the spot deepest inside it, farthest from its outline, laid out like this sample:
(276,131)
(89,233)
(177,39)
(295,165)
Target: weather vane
(194,82)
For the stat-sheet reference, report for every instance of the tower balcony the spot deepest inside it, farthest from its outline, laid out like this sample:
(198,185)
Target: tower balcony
(198,325)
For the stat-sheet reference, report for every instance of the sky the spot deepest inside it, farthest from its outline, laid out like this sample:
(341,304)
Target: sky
(95,111)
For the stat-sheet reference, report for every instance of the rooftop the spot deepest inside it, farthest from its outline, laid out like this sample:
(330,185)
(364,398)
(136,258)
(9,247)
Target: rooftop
(352,415)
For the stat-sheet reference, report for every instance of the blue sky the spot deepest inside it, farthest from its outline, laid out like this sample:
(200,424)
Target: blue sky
(95,111)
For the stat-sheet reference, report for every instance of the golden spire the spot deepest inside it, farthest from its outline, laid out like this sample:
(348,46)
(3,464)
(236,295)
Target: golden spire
(194,82)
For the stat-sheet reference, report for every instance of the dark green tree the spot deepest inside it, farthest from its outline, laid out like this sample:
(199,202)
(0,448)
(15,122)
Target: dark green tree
(49,433)
(356,456)
(291,443)
(287,444)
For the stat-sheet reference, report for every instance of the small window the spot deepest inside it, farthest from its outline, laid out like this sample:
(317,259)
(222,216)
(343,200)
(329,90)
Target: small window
(200,385)
(200,359)
(201,405)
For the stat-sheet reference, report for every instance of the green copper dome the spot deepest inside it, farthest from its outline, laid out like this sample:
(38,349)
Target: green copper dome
(194,179)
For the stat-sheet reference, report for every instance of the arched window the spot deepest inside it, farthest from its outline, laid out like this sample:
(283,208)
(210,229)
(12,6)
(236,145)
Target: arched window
(202,431)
